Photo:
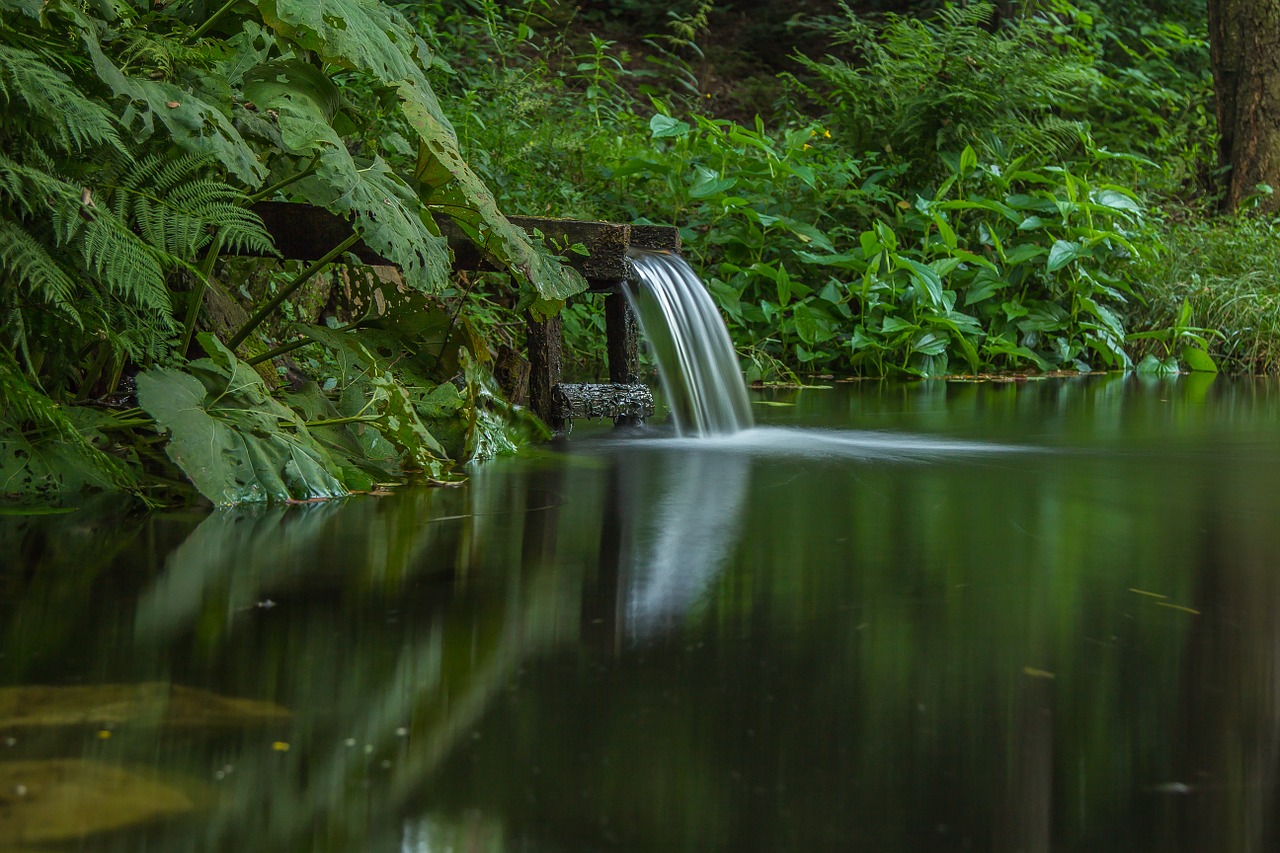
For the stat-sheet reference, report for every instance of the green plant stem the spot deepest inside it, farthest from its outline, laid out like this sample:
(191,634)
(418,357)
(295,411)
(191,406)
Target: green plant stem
(278,351)
(197,291)
(299,343)
(288,290)
(213,19)
(354,419)
(279,185)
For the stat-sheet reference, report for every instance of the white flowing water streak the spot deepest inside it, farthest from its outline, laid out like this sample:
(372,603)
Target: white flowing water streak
(699,370)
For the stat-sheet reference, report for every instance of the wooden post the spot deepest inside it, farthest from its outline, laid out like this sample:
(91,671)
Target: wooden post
(545,348)
(624,354)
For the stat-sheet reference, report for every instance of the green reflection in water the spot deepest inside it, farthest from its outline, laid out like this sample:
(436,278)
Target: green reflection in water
(1064,638)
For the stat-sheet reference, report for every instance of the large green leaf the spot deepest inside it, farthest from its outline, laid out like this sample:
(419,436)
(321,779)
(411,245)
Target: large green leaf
(370,392)
(372,37)
(450,184)
(387,213)
(270,82)
(364,34)
(229,436)
(194,125)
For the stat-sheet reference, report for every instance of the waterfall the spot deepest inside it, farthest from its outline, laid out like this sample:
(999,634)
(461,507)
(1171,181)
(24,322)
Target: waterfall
(696,362)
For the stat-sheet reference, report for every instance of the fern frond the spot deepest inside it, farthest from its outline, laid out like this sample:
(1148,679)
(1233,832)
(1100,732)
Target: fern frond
(122,261)
(178,210)
(59,456)
(55,108)
(26,263)
(966,15)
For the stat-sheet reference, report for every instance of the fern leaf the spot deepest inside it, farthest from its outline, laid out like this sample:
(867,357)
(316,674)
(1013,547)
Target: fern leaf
(177,209)
(123,262)
(55,107)
(25,261)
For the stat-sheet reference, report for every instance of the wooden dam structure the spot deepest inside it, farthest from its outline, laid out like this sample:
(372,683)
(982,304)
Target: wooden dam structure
(306,233)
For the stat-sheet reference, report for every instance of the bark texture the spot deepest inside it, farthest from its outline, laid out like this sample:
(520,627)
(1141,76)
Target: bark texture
(545,352)
(1244,42)
(630,404)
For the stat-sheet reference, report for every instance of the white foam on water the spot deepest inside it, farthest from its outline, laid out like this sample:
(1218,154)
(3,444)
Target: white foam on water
(808,443)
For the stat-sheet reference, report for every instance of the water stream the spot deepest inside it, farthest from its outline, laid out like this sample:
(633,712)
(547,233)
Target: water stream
(696,361)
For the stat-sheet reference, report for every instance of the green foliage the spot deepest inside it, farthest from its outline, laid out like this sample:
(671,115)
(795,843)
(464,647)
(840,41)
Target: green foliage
(130,138)
(976,195)
(918,87)
(44,104)
(1154,92)
(46,450)
(1218,292)
(1002,266)
(230,437)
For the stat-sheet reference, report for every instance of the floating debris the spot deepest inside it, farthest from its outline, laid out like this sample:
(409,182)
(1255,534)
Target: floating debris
(65,799)
(1037,673)
(151,703)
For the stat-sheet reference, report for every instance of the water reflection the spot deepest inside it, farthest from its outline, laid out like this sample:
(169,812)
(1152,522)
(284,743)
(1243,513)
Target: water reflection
(1008,644)
(683,537)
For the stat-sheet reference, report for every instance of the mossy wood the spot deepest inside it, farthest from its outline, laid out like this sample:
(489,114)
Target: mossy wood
(624,404)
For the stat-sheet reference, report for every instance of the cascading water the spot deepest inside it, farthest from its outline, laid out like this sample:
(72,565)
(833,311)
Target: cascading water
(696,362)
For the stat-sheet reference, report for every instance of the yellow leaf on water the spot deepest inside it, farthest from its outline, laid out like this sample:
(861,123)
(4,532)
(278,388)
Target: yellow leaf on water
(66,799)
(149,703)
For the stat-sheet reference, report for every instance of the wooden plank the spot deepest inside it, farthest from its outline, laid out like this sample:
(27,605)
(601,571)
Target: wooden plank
(306,233)
(665,238)
(606,241)
(622,339)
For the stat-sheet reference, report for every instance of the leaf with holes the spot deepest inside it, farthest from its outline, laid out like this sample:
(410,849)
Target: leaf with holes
(229,436)
(451,184)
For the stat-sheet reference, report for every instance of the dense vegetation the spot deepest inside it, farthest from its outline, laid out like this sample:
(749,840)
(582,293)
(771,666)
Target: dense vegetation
(960,190)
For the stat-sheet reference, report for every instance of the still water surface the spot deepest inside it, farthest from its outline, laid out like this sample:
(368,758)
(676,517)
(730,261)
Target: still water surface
(940,616)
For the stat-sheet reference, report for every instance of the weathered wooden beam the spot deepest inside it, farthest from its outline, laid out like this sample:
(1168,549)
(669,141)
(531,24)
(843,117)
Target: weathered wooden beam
(606,243)
(655,237)
(622,336)
(631,402)
(305,233)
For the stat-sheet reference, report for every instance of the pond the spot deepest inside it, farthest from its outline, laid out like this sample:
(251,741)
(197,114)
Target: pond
(896,617)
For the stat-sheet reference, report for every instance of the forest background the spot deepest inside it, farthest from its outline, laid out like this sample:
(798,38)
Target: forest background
(883,189)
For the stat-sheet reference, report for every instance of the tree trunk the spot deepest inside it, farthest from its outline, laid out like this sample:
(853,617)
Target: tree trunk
(1244,45)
